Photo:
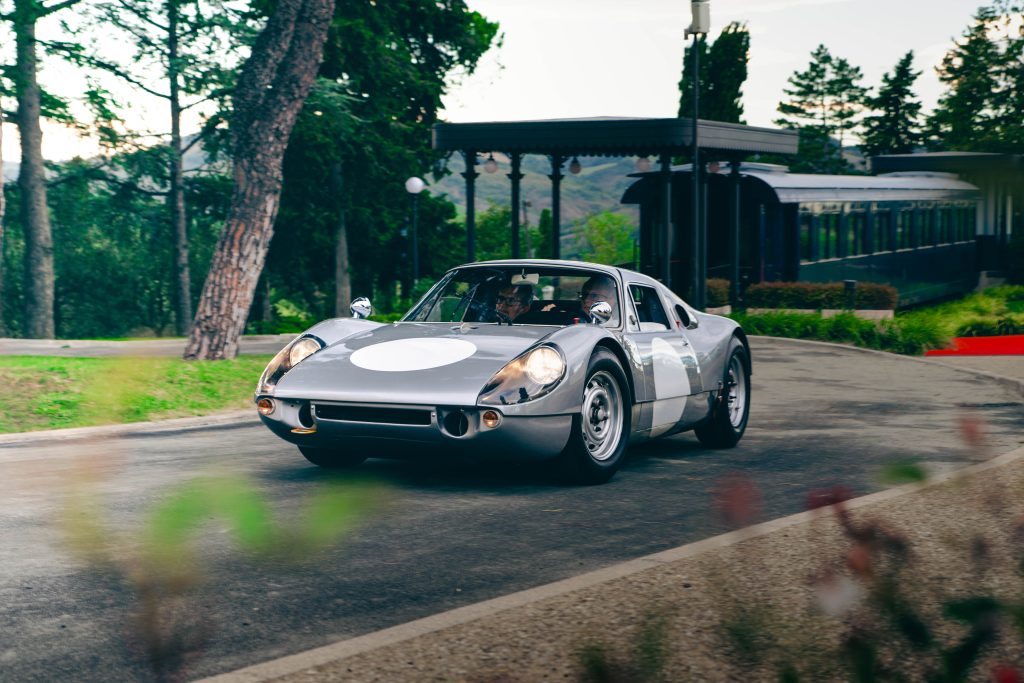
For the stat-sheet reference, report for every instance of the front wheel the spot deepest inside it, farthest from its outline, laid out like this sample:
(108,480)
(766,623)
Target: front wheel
(331,459)
(600,431)
(731,409)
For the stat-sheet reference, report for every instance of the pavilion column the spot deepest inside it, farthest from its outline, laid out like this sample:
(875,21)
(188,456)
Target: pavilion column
(734,214)
(470,176)
(515,176)
(556,204)
(665,216)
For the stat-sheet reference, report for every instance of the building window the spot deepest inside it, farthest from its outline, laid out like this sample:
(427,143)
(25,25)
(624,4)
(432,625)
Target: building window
(883,224)
(828,236)
(856,234)
(806,223)
(902,229)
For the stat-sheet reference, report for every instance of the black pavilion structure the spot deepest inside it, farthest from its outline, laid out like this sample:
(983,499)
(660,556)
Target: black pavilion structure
(680,264)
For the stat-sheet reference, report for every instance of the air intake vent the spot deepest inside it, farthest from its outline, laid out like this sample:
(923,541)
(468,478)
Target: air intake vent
(394,416)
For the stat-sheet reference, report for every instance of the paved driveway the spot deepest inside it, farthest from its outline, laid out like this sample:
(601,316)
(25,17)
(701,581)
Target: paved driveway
(453,534)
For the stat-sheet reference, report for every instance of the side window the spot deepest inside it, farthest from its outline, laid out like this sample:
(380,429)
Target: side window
(650,313)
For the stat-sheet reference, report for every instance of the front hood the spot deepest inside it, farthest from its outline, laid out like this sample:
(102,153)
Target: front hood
(414,363)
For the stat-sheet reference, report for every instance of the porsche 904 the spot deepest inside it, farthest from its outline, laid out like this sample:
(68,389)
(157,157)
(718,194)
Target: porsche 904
(526,359)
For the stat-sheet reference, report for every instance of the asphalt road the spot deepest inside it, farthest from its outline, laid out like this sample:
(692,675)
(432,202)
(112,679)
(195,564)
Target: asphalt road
(452,534)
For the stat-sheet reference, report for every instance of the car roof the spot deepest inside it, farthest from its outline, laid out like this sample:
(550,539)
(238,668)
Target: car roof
(619,273)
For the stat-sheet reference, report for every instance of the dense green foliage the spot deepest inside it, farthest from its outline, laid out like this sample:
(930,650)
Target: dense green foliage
(902,335)
(895,128)
(113,248)
(984,73)
(57,392)
(998,310)
(723,71)
(364,130)
(824,102)
(868,295)
(608,238)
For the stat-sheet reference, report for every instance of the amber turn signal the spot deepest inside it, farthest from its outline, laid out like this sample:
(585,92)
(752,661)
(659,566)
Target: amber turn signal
(491,418)
(265,406)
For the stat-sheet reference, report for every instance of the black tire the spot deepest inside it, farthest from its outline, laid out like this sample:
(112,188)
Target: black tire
(728,421)
(331,459)
(597,445)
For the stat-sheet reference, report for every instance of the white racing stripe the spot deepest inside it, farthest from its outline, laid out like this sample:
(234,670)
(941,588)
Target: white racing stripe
(405,355)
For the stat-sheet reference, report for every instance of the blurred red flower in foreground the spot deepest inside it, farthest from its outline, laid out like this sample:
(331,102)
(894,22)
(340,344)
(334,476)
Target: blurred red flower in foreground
(820,498)
(972,428)
(737,499)
(1004,673)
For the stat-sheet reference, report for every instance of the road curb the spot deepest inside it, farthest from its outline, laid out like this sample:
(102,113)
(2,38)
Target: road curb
(1009,382)
(326,654)
(180,424)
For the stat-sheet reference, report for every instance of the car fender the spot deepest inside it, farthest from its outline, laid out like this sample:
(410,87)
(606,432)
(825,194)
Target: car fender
(578,343)
(710,340)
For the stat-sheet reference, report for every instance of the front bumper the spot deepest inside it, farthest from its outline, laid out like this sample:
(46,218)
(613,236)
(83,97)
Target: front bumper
(449,430)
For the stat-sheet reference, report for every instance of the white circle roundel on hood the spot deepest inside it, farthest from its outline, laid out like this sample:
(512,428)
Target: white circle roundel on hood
(404,355)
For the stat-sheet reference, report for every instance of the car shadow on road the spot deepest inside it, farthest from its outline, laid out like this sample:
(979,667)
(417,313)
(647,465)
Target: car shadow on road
(441,474)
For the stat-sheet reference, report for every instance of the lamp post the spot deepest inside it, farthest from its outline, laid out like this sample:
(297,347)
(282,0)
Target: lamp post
(414,186)
(700,25)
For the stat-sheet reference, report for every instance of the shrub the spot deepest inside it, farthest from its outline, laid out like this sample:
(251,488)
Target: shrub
(718,292)
(902,335)
(818,295)
(991,327)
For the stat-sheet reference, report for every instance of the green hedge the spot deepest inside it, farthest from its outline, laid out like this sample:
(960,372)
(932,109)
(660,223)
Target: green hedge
(902,335)
(818,295)
(718,292)
(991,327)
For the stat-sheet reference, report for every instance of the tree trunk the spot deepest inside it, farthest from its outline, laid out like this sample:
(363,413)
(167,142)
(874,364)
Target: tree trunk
(271,90)
(176,199)
(342,279)
(35,215)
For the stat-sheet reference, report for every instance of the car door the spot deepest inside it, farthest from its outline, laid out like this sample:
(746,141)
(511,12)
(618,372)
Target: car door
(671,372)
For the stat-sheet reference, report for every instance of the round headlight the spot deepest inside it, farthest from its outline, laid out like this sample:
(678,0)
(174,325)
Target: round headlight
(544,366)
(301,350)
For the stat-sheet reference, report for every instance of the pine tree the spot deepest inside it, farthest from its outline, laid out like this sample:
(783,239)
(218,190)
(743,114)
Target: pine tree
(723,71)
(824,102)
(965,118)
(895,129)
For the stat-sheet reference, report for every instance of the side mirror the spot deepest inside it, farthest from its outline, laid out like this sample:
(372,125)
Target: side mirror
(361,308)
(600,312)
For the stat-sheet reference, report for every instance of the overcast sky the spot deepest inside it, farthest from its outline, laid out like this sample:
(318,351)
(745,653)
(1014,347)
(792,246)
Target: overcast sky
(574,58)
(569,58)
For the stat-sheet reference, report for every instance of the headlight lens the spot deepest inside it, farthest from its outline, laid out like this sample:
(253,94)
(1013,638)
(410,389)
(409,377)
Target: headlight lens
(286,359)
(544,365)
(302,349)
(526,378)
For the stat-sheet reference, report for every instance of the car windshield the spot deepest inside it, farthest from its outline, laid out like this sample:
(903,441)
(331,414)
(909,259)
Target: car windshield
(518,295)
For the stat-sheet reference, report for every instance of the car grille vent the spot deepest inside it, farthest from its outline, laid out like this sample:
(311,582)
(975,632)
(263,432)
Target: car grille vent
(394,416)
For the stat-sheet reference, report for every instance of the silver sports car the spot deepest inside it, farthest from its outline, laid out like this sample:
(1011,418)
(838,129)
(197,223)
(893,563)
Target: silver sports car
(525,359)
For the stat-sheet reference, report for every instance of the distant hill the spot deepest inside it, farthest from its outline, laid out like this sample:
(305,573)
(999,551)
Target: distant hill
(598,187)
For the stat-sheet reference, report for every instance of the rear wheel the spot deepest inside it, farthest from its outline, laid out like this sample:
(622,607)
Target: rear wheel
(729,415)
(331,459)
(600,432)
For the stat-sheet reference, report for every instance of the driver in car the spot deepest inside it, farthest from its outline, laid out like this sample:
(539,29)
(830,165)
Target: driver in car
(513,300)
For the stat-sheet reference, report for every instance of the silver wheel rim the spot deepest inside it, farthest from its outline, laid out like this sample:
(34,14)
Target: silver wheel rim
(602,415)
(737,396)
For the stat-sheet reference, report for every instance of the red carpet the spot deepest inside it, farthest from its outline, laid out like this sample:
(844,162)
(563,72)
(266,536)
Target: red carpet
(1008,345)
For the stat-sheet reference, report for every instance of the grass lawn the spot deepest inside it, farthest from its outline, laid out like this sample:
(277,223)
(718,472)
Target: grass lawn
(45,392)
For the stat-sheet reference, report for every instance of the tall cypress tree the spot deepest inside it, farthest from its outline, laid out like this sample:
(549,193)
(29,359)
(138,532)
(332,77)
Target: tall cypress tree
(722,75)
(895,128)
